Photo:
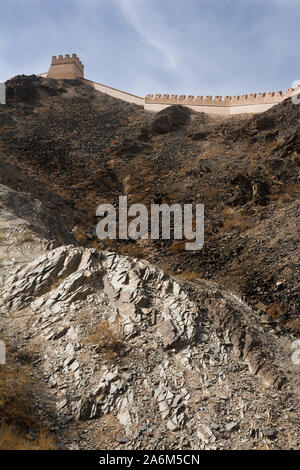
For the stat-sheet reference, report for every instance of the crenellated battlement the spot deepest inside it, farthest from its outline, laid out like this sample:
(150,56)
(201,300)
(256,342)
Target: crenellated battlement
(66,67)
(71,67)
(239,104)
(67,59)
(240,100)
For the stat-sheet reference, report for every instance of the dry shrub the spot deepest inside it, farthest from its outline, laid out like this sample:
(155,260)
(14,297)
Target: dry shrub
(292,190)
(190,275)
(234,281)
(17,417)
(133,250)
(108,243)
(107,339)
(276,310)
(171,273)
(212,193)
(164,173)
(107,150)
(236,220)
(158,139)
(138,197)
(178,246)
(79,234)
(269,148)
(273,197)
(210,151)
(4,146)
(27,355)
(130,188)
(12,439)
(146,172)
(170,198)
(294,326)
(6,128)
(15,393)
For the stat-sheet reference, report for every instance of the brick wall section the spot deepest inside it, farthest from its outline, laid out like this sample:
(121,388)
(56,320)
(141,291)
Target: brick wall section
(70,67)
(121,95)
(252,103)
(254,98)
(66,67)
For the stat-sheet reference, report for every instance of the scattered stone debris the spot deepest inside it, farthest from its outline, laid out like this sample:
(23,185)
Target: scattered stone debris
(129,354)
(193,371)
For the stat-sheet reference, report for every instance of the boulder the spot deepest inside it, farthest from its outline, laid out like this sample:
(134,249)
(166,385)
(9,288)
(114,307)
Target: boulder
(170,119)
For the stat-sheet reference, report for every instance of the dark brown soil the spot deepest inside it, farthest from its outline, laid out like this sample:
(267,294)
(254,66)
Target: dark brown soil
(73,148)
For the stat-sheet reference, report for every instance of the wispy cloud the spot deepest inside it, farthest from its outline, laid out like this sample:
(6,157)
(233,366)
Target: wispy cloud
(176,46)
(213,46)
(145,22)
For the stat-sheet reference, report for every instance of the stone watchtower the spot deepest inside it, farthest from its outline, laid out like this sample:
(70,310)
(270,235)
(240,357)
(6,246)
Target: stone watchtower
(66,67)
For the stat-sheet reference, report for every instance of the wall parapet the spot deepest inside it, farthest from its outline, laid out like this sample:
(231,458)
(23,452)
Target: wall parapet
(121,95)
(270,97)
(71,67)
(67,59)
(66,67)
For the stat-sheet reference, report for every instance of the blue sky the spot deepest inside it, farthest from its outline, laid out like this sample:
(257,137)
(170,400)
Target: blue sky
(198,47)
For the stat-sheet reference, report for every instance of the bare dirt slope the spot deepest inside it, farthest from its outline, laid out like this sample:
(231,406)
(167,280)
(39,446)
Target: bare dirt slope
(141,344)
(122,355)
(73,148)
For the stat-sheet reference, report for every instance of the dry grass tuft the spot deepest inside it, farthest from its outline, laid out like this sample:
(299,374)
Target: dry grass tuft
(190,275)
(12,439)
(178,246)
(15,391)
(132,249)
(18,421)
(107,340)
(236,220)
(276,310)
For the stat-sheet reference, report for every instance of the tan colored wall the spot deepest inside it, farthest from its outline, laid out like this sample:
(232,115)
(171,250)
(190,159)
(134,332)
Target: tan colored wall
(66,67)
(252,108)
(153,107)
(254,98)
(71,67)
(121,95)
(224,110)
(253,103)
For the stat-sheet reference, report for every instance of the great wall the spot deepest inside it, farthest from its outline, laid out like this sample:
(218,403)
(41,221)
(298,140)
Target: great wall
(70,67)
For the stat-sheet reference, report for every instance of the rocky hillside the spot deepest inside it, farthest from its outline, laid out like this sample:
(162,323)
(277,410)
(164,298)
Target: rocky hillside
(124,356)
(143,344)
(73,148)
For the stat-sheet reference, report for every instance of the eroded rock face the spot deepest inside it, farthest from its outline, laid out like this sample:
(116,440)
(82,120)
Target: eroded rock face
(96,143)
(31,212)
(181,364)
(137,292)
(173,364)
(247,346)
(247,189)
